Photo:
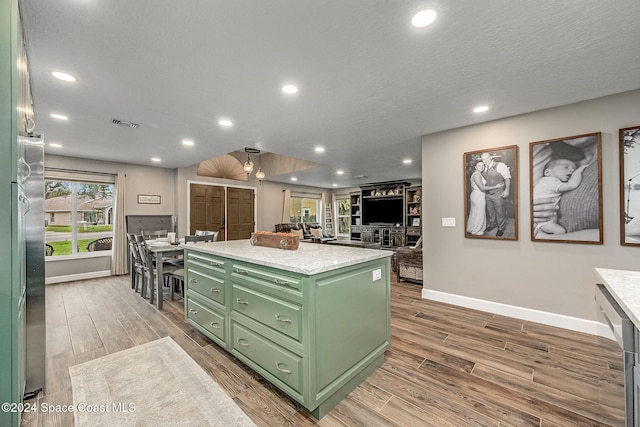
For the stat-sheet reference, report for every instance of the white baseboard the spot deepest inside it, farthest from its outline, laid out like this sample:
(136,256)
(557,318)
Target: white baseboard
(546,318)
(80,276)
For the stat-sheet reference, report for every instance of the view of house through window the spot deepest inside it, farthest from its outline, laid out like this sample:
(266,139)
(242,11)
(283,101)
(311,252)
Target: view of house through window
(344,212)
(78,217)
(304,209)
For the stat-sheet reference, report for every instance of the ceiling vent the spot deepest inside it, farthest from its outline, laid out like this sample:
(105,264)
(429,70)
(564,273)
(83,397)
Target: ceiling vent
(361,176)
(124,123)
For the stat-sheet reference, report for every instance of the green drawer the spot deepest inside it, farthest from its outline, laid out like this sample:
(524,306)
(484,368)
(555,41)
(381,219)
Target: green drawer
(277,314)
(274,279)
(274,359)
(209,286)
(208,262)
(208,319)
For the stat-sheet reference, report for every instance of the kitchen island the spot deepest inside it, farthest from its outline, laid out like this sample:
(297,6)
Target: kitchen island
(314,321)
(618,304)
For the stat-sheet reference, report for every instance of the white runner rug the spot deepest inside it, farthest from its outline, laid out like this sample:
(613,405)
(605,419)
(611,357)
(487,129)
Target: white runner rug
(153,384)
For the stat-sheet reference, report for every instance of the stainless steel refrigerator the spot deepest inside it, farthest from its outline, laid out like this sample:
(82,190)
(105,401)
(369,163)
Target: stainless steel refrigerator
(33,190)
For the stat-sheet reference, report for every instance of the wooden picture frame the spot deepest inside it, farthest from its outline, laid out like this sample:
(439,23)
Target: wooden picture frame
(491,193)
(565,178)
(148,199)
(630,186)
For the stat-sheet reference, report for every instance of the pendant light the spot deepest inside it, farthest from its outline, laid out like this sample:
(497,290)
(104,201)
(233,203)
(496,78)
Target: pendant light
(248,165)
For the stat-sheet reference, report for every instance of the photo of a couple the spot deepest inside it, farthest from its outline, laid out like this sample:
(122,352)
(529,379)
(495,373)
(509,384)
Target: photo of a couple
(491,202)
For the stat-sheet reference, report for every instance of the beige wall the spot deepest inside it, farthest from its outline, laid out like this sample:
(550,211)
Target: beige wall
(551,277)
(140,180)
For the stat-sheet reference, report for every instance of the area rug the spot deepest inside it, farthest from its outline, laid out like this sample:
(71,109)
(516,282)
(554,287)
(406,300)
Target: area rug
(153,384)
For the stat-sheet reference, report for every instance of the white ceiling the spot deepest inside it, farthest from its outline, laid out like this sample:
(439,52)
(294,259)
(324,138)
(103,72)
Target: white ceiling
(370,84)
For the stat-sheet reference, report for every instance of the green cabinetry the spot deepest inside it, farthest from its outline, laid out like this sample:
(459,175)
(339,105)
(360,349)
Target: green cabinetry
(314,336)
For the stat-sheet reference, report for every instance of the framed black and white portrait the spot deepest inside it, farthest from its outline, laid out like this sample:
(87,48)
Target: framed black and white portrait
(491,193)
(630,186)
(566,189)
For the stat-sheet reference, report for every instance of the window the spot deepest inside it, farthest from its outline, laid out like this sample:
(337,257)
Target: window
(344,215)
(305,209)
(80,216)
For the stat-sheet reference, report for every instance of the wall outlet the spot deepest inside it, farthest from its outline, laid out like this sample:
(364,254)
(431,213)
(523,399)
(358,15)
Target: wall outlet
(377,274)
(448,222)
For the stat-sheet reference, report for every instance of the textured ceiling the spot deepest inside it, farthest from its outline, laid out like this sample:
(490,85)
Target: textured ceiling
(370,85)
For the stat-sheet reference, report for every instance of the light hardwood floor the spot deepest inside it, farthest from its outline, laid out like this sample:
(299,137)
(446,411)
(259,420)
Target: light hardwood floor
(447,366)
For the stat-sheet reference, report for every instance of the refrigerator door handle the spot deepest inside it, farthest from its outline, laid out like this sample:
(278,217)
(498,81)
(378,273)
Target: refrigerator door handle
(22,178)
(25,200)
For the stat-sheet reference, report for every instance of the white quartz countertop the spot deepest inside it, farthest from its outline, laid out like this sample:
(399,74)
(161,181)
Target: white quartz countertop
(624,286)
(309,258)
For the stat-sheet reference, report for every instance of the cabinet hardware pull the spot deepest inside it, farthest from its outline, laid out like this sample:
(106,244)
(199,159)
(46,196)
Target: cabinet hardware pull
(280,319)
(214,290)
(193,311)
(242,342)
(241,301)
(215,325)
(193,280)
(281,282)
(240,271)
(286,371)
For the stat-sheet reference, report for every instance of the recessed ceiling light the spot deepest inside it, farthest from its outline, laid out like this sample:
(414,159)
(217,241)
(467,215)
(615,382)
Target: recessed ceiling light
(339,172)
(55,145)
(225,122)
(187,142)
(63,76)
(289,89)
(480,109)
(407,161)
(334,185)
(293,178)
(59,116)
(155,159)
(424,18)
(319,149)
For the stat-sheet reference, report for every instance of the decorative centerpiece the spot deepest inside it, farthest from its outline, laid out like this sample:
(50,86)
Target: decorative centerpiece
(275,240)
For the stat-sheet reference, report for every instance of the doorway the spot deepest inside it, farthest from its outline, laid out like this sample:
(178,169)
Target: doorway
(228,210)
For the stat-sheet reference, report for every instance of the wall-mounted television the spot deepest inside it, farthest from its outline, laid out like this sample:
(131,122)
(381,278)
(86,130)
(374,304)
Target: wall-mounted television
(386,210)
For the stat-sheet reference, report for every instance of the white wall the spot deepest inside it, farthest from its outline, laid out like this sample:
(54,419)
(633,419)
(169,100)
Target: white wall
(550,277)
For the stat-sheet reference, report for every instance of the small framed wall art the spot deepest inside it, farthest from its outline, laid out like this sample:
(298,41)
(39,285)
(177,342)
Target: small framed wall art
(630,186)
(148,199)
(491,193)
(566,189)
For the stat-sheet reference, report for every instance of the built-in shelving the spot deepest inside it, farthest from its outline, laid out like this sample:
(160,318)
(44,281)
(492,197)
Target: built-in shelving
(388,213)
(355,200)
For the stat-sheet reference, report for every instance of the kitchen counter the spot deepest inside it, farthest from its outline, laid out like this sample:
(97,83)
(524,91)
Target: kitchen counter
(624,286)
(309,258)
(315,321)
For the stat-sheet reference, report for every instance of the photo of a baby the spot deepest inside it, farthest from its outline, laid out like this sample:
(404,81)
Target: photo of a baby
(558,176)
(566,194)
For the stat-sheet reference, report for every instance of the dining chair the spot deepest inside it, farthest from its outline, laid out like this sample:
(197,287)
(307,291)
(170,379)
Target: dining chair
(154,234)
(150,270)
(204,232)
(137,267)
(177,277)
(202,238)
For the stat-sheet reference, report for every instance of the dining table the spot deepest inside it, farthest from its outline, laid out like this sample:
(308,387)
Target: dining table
(162,252)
